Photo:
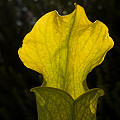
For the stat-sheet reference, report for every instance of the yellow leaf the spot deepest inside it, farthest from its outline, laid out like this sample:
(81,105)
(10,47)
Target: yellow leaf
(65,49)
(56,104)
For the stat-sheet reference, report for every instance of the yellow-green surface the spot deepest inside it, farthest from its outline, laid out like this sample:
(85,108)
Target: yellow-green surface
(55,104)
(64,49)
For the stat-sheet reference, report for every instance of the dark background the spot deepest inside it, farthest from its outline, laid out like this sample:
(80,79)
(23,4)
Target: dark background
(17,18)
